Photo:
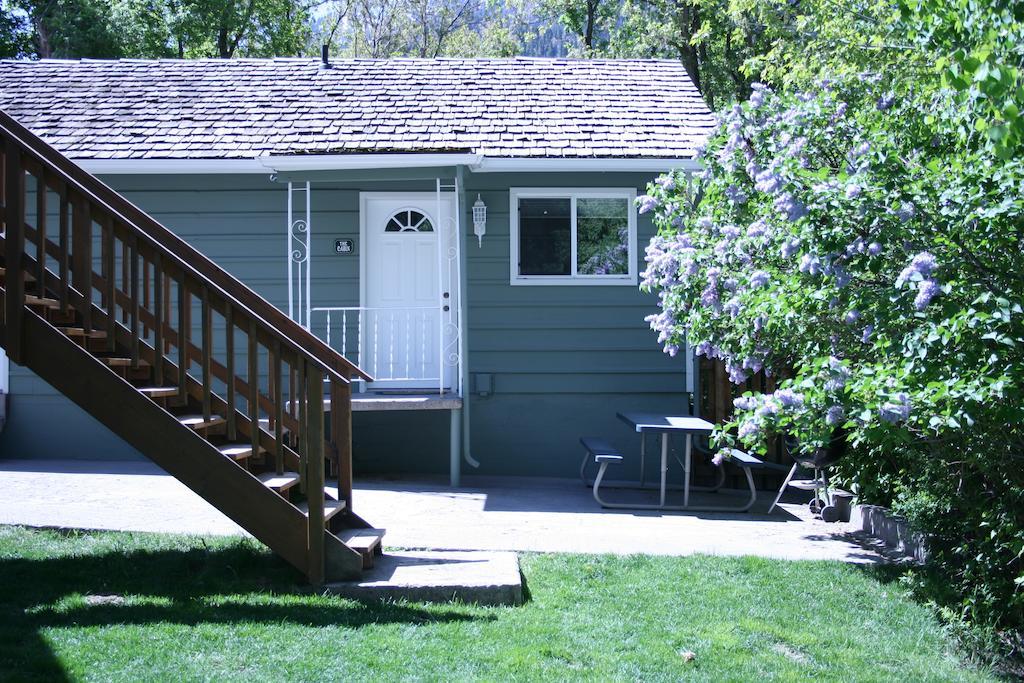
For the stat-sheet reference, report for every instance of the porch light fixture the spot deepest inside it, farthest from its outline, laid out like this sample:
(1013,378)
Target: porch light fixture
(479,220)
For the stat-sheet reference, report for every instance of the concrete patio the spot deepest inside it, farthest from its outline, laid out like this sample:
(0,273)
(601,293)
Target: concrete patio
(522,514)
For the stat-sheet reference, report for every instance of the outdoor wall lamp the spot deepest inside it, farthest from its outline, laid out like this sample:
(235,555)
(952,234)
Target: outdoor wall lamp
(479,220)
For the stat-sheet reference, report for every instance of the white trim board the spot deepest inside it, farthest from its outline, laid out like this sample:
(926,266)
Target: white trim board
(339,162)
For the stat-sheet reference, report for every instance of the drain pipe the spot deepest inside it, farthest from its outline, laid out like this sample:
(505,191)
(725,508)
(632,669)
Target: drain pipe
(5,368)
(464,325)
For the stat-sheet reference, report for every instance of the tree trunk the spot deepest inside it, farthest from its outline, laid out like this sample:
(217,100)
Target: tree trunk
(43,46)
(588,37)
(222,42)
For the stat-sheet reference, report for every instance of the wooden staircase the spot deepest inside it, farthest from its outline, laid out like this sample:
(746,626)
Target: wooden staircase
(178,358)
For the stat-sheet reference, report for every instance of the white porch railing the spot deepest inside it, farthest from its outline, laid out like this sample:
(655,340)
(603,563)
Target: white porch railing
(394,345)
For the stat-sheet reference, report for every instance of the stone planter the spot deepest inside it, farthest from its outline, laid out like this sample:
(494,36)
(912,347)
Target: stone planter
(891,529)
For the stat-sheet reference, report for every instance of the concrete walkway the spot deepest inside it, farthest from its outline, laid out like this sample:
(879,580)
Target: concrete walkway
(486,514)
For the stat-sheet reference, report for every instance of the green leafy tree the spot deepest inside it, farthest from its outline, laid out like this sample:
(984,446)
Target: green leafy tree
(15,34)
(857,232)
(70,28)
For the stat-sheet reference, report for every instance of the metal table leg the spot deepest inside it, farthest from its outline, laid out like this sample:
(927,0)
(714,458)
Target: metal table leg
(686,470)
(664,466)
(643,453)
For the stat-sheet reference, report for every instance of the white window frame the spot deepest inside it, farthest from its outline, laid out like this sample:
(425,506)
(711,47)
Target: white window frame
(572,194)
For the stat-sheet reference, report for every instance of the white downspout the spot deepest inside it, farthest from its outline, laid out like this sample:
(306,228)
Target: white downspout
(463,323)
(5,379)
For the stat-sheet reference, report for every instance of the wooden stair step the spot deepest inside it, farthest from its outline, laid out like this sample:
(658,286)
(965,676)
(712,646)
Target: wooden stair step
(361,539)
(331,508)
(121,362)
(200,422)
(45,302)
(236,451)
(366,542)
(29,277)
(81,332)
(279,482)
(158,392)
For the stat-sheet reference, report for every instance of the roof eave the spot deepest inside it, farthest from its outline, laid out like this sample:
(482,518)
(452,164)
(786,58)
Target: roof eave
(332,162)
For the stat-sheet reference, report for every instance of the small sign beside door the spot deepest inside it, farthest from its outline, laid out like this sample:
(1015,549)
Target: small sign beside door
(345,246)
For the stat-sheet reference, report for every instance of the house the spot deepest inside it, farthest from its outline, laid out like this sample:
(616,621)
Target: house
(462,230)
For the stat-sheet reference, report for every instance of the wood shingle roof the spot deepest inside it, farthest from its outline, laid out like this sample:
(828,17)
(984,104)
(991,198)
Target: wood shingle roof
(246,108)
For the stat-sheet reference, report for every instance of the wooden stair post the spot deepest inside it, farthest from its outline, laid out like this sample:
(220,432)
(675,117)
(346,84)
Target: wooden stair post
(14,225)
(314,457)
(341,438)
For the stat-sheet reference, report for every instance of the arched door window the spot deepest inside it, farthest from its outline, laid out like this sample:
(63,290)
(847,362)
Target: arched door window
(409,220)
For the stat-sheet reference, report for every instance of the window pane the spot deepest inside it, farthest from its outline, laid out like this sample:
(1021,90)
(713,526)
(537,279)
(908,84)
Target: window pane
(603,236)
(545,244)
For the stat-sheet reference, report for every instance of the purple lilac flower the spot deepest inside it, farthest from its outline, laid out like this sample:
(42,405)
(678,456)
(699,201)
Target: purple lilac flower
(705,223)
(790,207)
(852,191)
(709,297)
(856,247)
(840,112)
(733,307)
(926,291)
(906,211)
(759,323)
(737,375)
(646,203)
(885,102)
(759,278)
(834,415)
(897,410)
(841,275)
(666,182)
(753,364)
(749,430)
(745,402)
(768,408)
(757,229)
(851,316)
(923,263)
(735,194)
(810,264)
(921,267)
(730,232)
(767,181)
(866,334)
(874,248)
(789,248)
(789,398)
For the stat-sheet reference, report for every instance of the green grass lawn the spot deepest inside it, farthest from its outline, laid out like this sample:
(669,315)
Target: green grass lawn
(123,606)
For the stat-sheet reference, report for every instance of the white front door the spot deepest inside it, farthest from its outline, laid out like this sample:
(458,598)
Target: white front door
(409,281)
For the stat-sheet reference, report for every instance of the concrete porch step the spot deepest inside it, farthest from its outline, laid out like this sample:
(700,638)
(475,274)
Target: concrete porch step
(481,577)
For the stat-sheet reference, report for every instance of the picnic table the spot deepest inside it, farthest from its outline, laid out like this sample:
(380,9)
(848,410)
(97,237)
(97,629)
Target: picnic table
(666,425)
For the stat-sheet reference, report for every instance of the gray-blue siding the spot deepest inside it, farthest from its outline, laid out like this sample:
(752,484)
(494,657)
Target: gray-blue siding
(563,359)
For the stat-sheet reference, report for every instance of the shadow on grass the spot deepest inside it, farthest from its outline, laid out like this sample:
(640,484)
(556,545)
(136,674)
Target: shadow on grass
(235,583)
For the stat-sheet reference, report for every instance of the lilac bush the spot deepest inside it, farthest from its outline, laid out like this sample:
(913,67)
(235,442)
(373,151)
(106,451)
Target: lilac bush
(860,245)
(824,230)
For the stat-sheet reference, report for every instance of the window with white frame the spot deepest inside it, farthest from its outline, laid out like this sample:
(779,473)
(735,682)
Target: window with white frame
(573,236)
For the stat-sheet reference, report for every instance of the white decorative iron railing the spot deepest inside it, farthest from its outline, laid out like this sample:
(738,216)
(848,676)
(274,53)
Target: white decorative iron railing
(392,344)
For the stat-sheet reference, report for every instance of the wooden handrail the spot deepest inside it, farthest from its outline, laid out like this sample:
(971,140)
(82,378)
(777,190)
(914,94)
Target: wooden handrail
(121,275)
(184,256)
